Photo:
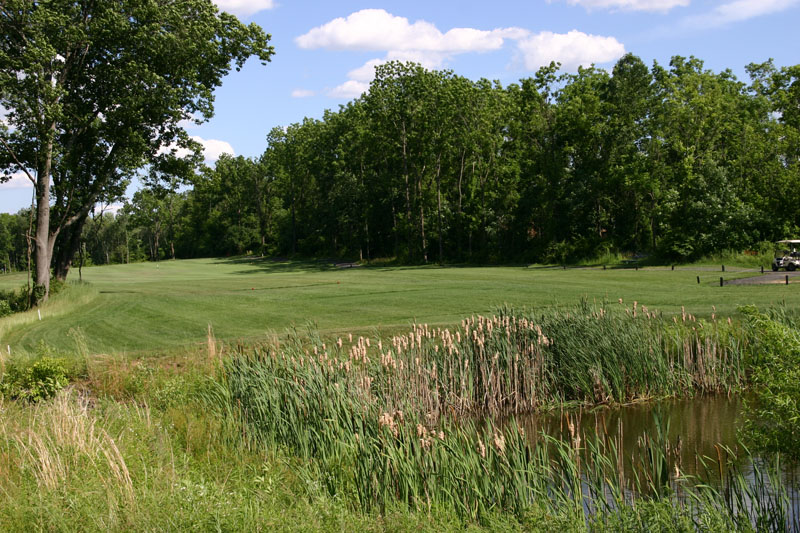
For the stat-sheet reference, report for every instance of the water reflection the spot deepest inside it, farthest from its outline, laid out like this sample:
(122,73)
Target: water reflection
(702,443)
(698,428)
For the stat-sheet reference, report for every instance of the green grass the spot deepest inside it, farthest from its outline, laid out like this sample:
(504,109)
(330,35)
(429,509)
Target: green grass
(149,306)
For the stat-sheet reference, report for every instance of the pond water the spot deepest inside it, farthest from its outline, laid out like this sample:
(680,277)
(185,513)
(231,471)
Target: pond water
(702,437)
(699,427)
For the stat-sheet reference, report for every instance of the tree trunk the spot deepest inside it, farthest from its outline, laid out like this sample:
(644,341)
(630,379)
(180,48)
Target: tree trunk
(439,207)
(68,247)
(43,253)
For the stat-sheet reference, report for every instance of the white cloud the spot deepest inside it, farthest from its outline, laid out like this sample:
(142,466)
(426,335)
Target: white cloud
(572,49)
(18,181)
(423,43)
(401,40)
(367,71)
(349,89)
(244,8)
(739,10)
(376,29)
(214,148)
(110,208)
(302,93)
(631,5)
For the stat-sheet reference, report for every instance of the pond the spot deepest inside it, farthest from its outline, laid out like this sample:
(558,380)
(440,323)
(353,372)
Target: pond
(702,442)
(700,427)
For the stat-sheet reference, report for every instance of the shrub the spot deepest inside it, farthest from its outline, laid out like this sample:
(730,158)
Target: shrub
(5,308)
(772,419)
(39,381)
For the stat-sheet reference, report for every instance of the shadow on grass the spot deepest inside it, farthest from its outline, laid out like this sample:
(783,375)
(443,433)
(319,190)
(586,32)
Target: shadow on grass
(272,265)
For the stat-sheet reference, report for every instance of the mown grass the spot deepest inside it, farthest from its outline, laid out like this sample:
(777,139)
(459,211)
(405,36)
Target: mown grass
(169,305)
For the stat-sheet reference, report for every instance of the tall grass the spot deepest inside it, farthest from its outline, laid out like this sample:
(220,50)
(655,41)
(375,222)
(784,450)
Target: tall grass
(386,423)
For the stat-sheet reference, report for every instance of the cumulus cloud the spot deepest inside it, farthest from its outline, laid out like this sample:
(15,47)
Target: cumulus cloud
(376,29)
(572,49)
(110,208)
(401,40)
(423,43)
(631,5)
(302,93)
(349,89)
(739,10)
(214,148)
(18,181)
(244,8)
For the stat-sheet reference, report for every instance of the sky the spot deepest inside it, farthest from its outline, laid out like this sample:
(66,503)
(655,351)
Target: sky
(326,51)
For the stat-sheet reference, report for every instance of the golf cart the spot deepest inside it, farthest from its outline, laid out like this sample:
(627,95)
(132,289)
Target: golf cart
(788,259)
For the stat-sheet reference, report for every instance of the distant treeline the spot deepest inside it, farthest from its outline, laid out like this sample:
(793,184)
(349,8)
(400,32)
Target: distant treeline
(428,166)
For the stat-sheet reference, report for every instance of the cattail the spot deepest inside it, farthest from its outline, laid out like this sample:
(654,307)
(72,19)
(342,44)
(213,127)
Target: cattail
(500,442)
(481,448)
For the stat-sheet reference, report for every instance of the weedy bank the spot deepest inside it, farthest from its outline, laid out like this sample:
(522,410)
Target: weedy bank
(392,433)
(404,420)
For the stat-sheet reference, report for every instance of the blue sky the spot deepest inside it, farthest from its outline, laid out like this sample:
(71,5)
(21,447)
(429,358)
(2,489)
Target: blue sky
(326,50)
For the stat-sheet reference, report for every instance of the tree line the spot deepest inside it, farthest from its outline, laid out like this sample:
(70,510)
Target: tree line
(426,166)
(429,166)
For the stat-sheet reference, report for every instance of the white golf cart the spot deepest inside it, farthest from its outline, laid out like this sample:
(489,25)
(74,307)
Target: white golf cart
(787,259)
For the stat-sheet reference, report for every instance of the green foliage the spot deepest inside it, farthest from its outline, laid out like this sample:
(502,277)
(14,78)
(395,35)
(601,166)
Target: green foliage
(772,420)
(39,381)
(372,438)
(16,301)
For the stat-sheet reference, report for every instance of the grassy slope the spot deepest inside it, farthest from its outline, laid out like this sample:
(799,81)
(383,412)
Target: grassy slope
(149,306)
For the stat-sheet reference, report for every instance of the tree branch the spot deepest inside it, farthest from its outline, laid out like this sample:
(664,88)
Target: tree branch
(14,156)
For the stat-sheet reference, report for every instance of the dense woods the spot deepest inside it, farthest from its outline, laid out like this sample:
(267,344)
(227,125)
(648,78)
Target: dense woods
(428,166)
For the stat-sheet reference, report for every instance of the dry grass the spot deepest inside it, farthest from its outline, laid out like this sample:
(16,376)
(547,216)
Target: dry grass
(60,439)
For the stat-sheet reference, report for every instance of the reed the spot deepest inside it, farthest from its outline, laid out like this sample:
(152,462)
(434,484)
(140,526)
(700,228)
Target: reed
(396,421)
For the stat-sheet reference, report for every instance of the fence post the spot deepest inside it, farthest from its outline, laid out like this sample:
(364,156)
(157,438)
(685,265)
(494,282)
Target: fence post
(720,281)
(698,280)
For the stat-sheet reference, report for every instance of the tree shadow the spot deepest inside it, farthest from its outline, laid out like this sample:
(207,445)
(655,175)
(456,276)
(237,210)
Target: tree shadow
(274,265)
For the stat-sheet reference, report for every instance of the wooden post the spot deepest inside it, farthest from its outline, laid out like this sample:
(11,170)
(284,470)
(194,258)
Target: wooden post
(787,279)
(720,281)
(698,280)
(762,269)
(604,267)
(723,268)
(673,267)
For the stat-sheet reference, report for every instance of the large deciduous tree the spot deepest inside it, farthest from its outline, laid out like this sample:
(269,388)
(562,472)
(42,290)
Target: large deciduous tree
(95,89)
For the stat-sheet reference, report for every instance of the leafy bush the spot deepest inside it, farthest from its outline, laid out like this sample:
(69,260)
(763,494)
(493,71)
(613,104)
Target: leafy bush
(16,301)
(772,415)
(5,308)
(39,381)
